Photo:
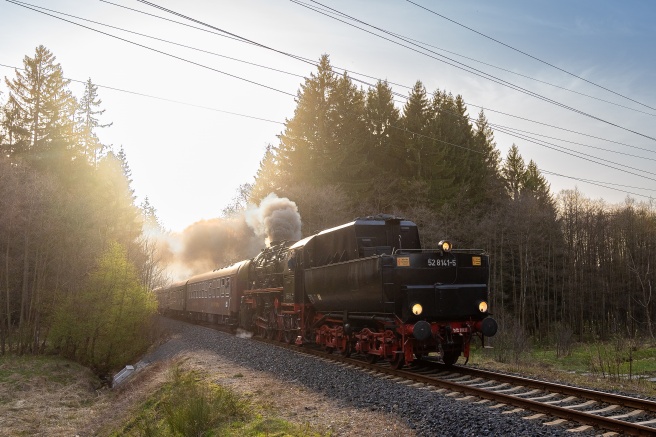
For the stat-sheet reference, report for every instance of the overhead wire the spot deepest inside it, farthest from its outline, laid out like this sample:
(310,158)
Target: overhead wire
(460,65)
(528,77)
(421,43)
(258,118)
(164,99)
(152,49)
(223,31)
(164,40)
(529,55)
(352,73)
(486,108)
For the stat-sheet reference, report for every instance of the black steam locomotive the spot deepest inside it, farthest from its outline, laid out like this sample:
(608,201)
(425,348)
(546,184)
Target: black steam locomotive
(365,287)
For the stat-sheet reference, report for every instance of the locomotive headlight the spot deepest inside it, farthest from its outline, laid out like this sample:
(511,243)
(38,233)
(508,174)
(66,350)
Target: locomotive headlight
(417,309)
(445,246)
(482,307)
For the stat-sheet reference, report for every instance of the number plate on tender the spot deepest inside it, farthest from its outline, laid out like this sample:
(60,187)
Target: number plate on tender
(442,262)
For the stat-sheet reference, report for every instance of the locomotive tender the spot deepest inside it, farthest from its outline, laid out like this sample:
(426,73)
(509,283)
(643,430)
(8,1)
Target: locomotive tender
(365,287)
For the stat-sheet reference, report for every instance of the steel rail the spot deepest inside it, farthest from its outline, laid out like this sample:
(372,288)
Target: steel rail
(627,401)
(607,423)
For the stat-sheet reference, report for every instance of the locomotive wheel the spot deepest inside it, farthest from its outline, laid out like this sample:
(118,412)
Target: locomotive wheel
(289,336)
(398,361)
(289,330)
(348,348)
(372,359)
(450,357)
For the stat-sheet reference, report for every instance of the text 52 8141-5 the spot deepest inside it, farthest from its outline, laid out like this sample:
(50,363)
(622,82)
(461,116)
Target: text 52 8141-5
(438,262)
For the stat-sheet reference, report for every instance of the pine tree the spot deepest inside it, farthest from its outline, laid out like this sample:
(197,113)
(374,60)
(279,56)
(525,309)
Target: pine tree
(485,173)
(514,172)
(87,122)
(302,144)
(416,136)
(449,155)
(44,108)
(383,128)
(343,159)
(384,150)
(14,136)
(268,178)
(536,184)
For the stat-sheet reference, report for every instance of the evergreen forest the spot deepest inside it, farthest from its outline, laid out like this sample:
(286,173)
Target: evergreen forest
(76,267)
(562,263)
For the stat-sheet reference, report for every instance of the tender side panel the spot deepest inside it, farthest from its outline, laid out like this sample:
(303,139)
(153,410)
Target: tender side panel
(354,286)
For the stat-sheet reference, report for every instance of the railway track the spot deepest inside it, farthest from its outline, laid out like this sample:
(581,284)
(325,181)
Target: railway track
(555,404)
(582,409)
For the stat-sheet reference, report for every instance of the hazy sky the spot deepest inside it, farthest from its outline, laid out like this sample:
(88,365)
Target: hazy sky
(171,105)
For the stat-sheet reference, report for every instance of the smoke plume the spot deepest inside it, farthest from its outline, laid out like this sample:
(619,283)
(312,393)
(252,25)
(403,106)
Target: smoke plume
(218,242)
(277,219)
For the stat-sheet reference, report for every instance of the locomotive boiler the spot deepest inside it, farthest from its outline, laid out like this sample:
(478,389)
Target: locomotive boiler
(366,287)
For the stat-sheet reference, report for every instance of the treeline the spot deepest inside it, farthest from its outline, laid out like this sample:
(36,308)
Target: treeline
(75,271)
(559,263)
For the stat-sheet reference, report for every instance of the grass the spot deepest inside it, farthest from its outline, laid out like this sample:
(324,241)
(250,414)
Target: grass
(43,393)
(615,365)
(190,405)
(48,395)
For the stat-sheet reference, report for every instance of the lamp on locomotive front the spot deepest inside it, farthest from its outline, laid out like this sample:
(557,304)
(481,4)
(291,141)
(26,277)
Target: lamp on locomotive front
(417,309)
(482,306)
(445,246)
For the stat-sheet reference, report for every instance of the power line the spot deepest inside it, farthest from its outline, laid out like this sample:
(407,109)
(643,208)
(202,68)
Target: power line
(223,31)
(607,185)
(575,143)
(526,76)
(165,40)
(462,147)
(153,49)
(406,38)
(585,156)
(164,99)
(529,55)
(558,127)
(461,66)
(297,57)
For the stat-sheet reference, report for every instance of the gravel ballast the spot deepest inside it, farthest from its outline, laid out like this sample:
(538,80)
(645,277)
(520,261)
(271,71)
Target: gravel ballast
(425,412)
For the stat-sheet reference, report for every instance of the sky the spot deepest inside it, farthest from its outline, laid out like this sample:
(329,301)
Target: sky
(194,106)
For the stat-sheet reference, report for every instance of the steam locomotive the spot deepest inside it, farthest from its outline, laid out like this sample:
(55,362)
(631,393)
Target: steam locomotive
(365,287)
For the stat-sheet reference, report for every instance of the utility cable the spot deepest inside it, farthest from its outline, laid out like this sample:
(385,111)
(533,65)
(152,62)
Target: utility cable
(421,43)
(393,83)
(464,67)
(529,55)
(462,147)
(154,50)
(165,99)
(163,40)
